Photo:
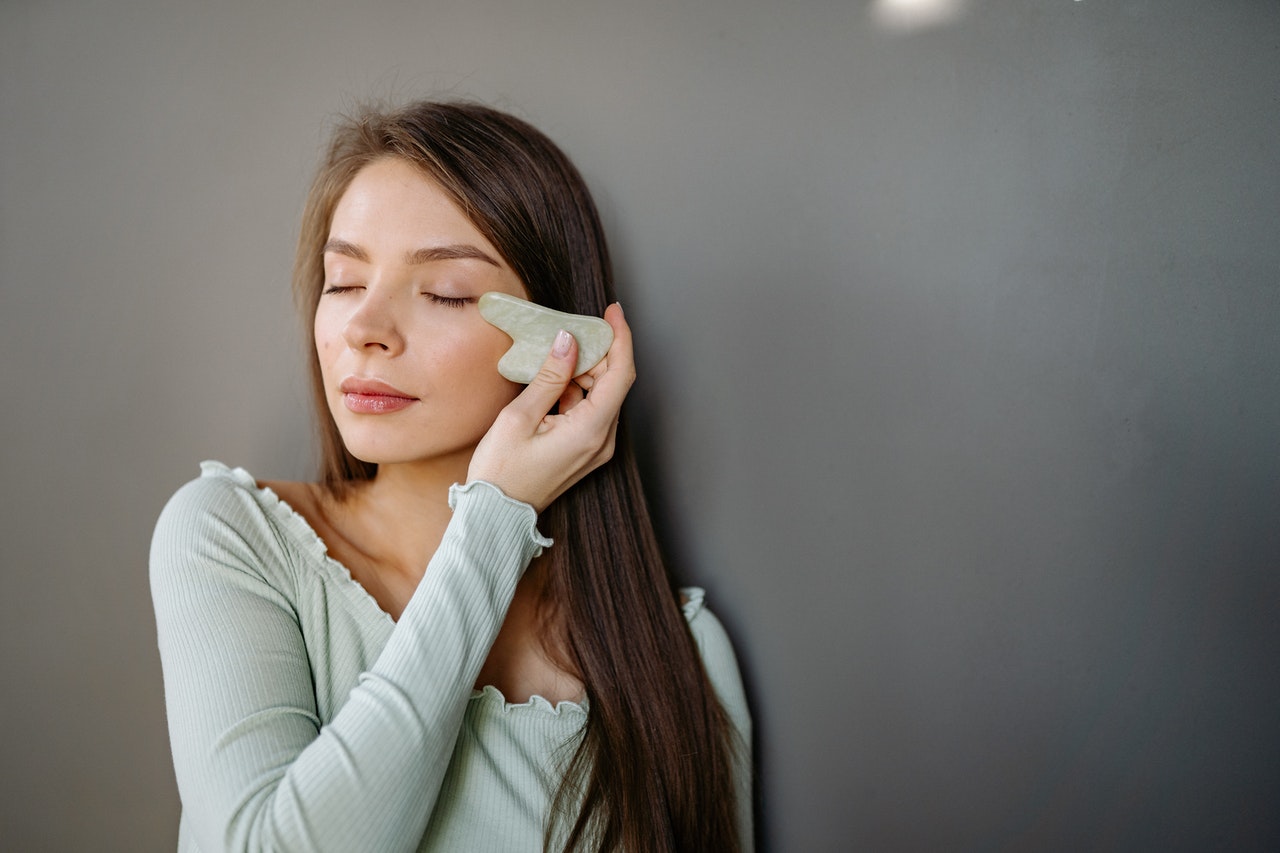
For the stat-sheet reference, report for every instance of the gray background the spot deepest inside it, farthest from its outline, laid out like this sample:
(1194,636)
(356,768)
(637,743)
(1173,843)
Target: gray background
(959,377)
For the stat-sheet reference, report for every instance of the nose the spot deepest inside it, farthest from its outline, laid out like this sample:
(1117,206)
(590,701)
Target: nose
(373,325)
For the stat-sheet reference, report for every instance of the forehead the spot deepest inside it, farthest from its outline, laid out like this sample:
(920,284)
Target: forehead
(392,198)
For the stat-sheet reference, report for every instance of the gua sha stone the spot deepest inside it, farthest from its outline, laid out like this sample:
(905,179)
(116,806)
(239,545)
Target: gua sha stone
(532,329)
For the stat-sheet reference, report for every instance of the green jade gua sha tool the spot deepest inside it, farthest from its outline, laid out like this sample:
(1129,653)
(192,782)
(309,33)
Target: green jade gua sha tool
(533,329)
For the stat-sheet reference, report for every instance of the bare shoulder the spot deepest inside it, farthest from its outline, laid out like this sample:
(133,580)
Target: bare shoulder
(298,495)
(308,500)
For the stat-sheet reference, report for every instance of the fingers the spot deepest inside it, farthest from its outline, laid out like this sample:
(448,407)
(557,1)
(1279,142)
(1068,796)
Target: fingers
(550,383)
(573,394)
(611,379)
(597,413)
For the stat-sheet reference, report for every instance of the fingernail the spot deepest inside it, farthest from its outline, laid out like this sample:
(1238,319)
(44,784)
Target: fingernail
(561,347)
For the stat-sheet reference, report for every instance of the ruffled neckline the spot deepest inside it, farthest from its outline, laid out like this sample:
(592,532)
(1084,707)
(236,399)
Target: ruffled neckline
(301,531)
(491,695)
(305,536)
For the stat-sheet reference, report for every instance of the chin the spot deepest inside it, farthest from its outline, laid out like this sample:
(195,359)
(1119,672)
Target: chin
(385,453)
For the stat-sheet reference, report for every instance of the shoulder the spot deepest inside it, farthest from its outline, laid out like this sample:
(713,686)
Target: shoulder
(220,497)
(717,655)
(706,628)
(219,478)
(221,519)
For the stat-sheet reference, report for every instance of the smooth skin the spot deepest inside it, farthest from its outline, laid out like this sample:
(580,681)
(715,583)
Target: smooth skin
(404,268)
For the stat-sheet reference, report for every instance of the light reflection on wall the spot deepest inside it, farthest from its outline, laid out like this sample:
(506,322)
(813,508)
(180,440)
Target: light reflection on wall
(907,16)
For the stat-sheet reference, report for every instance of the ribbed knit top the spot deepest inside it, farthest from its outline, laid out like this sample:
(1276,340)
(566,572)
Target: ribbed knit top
(302,717)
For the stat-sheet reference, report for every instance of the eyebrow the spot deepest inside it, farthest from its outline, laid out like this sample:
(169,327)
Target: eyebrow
(454,252)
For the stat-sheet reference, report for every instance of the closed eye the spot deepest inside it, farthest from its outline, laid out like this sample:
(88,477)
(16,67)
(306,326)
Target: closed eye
(339,288)
(451,301)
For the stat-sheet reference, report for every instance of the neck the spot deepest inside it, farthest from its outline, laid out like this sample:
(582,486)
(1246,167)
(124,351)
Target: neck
(397,519)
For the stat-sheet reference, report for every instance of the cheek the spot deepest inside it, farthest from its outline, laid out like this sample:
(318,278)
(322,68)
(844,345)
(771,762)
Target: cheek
(480,375)
(474,363)
(323,337)
(324,354)
(327,329)
(495,347)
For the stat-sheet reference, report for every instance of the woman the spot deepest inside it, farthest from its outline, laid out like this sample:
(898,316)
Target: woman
(394,658)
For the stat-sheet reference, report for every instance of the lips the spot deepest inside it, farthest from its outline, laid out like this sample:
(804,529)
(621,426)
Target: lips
(373,397)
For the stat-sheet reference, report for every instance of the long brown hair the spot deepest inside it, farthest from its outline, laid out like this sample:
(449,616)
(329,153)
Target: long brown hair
(653,768)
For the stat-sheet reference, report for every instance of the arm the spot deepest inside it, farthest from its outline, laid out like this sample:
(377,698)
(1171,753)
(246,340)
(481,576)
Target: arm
(255,769)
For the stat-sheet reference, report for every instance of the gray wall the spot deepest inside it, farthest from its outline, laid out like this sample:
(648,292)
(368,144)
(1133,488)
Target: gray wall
(959,377)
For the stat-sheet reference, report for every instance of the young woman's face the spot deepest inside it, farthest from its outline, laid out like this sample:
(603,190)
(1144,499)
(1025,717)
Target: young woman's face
(409,366)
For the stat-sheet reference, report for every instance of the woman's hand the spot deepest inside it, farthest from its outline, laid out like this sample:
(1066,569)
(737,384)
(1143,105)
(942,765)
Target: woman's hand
(534,456)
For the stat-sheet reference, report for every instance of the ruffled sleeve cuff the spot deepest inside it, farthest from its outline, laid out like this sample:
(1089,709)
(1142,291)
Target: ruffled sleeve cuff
(486,505)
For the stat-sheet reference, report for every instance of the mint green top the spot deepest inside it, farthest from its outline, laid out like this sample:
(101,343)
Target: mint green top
(302,717)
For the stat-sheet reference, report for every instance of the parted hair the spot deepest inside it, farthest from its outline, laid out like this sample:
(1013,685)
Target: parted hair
(653,767)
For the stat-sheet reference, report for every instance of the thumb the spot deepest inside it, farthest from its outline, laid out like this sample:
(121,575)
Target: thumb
(552,378)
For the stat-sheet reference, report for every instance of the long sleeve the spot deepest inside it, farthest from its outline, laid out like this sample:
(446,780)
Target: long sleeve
(256,769)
